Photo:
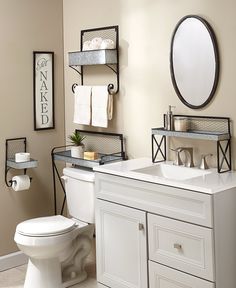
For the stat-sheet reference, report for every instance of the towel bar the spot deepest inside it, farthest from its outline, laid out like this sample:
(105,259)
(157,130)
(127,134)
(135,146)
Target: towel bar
(110,87)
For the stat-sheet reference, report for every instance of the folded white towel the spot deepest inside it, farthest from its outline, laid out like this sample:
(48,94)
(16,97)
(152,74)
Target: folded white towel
(107,44)
(102,106)
(96,43)
(82,105)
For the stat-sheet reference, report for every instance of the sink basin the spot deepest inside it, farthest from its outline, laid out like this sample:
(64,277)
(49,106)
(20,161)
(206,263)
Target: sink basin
(170,171)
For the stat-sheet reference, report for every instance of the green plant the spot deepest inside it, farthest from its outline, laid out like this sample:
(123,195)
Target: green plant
(76,138)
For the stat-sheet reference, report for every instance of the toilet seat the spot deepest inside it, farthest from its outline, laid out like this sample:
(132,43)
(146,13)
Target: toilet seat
(46,226)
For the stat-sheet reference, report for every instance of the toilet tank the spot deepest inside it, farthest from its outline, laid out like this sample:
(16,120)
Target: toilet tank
(80,194)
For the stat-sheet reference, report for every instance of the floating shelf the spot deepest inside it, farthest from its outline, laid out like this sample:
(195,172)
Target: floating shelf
(203,135)
(94,57)
(22,165)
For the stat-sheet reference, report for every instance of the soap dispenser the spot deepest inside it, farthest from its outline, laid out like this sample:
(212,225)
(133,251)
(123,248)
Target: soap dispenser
(169,119)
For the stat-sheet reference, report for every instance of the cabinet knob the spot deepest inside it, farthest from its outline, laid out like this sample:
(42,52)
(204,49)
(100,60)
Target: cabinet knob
(177,246)
(140,226)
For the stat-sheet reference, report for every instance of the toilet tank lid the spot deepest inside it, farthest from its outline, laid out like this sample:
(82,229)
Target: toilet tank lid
(43,226)
(80,174)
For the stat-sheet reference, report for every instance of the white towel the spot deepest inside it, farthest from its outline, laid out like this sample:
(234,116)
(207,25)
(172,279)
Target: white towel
(102,106)
(82,105)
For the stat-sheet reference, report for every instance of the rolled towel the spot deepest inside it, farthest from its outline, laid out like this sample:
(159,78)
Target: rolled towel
(82,106)
(96,43)
(108,44)
(87,46)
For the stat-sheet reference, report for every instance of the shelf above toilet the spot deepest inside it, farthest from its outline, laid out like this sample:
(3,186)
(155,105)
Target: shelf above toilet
(103,158)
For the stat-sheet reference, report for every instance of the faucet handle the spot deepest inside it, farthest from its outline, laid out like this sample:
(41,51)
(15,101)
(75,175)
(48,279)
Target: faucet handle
(178,161)
(203,164)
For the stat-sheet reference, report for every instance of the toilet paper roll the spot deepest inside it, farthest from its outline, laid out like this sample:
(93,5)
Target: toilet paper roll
(22,157)
(21,182)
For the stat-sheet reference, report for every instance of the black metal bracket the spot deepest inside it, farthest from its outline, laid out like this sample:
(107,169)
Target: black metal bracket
(158,148)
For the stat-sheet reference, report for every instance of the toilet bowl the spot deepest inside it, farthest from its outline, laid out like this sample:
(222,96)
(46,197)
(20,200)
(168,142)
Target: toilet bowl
(57,246)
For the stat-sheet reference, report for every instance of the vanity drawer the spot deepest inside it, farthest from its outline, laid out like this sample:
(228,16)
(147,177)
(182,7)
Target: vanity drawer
(163,277)
(180,245)
(186,205)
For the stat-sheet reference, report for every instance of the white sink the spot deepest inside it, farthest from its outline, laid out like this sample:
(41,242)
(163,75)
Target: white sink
(170,171)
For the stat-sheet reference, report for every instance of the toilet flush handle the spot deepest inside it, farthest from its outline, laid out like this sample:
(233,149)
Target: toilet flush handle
(65,178)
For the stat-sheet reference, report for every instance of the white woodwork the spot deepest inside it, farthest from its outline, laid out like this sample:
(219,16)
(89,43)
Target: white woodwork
(176,203)
(121,246)
(196,237)
(181,245)
(163,277)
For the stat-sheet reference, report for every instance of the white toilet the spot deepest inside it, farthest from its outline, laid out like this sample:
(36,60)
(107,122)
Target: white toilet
(57,246)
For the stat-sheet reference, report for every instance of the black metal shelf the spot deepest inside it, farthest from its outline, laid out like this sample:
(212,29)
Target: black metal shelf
(13,146)
(202,128)
(108,57)
(110,148)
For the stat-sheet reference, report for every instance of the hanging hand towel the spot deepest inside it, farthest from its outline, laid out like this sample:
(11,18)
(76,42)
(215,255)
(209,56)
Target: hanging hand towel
(82,106)
(102,106)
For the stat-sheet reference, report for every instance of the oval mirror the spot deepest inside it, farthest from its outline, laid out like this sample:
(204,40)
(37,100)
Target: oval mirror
(194,61)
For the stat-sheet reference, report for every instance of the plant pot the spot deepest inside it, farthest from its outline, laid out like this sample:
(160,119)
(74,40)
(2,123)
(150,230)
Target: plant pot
(77,151)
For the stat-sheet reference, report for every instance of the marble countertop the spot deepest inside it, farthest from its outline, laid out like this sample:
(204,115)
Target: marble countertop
(210,183)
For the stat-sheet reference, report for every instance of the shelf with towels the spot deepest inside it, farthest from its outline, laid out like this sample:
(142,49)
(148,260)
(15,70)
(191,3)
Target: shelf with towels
(107,57)
(202,128)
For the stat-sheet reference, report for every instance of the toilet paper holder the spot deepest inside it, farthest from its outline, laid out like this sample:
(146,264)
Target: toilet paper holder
(13,146)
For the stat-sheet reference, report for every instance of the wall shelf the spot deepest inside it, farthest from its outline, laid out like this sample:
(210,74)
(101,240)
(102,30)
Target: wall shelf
(13,146)
(201,128)
(108,57)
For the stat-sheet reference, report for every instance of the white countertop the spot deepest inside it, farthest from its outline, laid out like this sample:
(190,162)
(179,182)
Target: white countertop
(211,183)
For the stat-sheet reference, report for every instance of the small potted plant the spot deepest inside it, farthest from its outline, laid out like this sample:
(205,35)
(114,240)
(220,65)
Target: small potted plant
(76,139)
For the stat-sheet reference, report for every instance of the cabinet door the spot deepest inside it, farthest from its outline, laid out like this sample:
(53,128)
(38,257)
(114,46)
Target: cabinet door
(121,246)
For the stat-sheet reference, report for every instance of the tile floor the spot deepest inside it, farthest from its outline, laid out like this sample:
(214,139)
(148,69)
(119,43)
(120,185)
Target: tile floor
(14,278)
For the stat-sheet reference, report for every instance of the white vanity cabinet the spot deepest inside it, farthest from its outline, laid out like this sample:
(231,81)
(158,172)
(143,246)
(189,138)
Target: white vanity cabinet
(156,236)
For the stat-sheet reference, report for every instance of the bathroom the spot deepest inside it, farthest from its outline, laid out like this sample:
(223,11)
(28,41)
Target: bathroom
(146,90)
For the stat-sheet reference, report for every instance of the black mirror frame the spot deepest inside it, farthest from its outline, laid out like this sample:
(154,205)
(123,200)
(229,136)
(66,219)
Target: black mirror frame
(217,63)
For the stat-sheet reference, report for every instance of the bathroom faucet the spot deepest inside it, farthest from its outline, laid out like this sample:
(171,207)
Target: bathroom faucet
(188,156)
(177,161)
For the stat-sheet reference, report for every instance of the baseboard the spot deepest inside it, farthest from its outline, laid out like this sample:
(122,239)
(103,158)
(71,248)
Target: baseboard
(12,260)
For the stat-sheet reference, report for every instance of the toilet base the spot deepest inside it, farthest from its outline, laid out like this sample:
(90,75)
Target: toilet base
(43,273)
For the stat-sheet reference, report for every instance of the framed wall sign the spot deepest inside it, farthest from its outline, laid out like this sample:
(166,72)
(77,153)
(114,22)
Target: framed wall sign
(43,90)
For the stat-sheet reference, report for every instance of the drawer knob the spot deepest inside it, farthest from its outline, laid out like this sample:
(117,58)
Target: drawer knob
(177,246)
(140,226)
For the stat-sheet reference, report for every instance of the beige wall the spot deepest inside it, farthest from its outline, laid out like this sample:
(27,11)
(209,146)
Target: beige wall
(146,90)
(25,26)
